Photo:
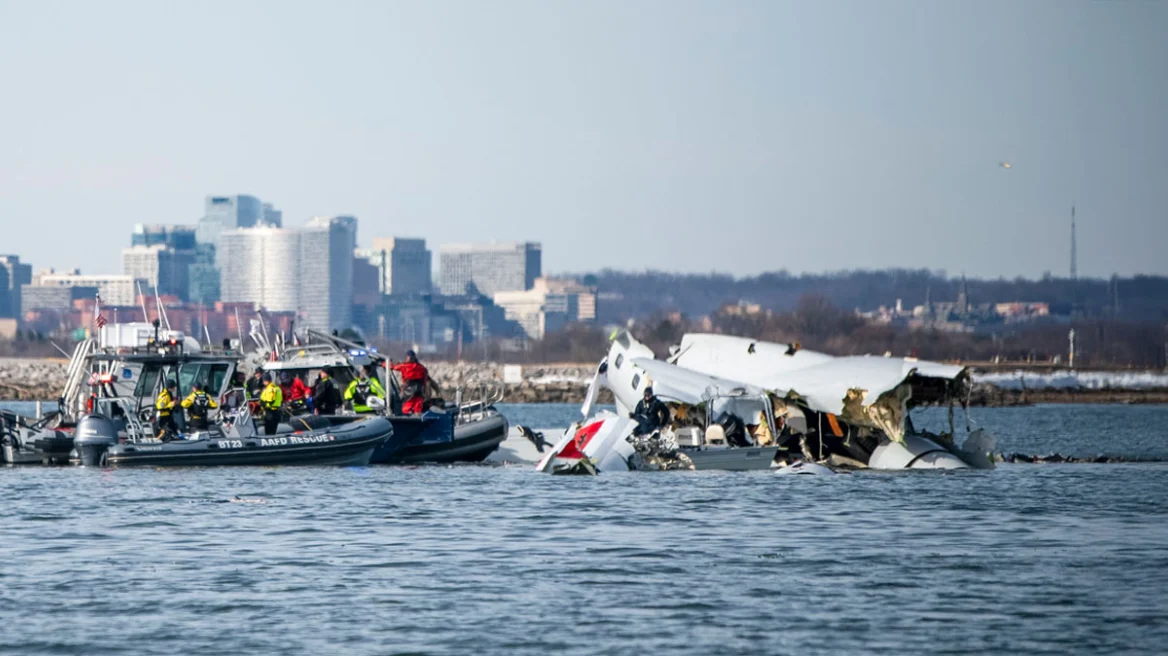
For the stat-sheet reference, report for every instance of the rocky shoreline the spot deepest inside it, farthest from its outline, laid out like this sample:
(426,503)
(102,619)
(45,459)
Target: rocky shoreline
(43,378)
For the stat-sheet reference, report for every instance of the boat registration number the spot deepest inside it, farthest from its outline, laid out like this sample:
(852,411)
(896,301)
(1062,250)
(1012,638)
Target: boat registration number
(230,444)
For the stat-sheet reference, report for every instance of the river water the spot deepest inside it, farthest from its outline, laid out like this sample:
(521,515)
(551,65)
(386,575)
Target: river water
(476,559)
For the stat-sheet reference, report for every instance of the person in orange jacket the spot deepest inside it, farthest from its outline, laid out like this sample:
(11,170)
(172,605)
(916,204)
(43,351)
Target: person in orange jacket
(415,379)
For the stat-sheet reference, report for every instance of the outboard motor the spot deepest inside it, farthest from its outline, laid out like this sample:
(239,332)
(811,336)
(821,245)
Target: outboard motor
(94,435)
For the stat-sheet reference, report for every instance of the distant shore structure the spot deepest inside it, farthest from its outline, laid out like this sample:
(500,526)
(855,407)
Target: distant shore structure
(491,268)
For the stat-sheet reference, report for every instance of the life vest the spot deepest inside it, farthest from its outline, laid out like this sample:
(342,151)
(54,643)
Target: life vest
(361,393)
(200,404)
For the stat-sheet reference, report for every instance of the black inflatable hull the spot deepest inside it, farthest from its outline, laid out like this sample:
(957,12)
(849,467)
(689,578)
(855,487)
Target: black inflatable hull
(473,442)
(351,444)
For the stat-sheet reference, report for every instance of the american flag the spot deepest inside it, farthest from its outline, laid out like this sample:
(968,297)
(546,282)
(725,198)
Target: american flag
(97,318)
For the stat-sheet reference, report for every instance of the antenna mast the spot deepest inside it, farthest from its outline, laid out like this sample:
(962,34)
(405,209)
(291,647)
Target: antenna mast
(1074,249)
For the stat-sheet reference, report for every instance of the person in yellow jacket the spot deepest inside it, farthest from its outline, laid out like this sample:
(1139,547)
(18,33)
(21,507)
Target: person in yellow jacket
(359,391)
(272,398)
(198,405)
(164,412)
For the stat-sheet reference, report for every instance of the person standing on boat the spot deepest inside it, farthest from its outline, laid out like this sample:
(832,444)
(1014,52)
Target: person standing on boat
(255,385)
(415,379)
(360,389)
(295,392)
(198,405)
(651,414)
(271,399)
(164,409)
(326,398)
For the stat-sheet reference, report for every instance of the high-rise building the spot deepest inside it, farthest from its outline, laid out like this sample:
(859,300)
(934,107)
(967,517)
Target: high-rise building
(160,268)
(272,216)
(261,265)
(13,276)
(204,276)
(221,213)
(326,272)
(491,268)
(178,237)
(404,265)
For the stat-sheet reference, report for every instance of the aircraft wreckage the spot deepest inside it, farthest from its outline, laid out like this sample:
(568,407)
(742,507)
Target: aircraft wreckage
(737,403)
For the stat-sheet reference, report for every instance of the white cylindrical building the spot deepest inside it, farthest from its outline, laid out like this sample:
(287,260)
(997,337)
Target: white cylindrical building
(261,265)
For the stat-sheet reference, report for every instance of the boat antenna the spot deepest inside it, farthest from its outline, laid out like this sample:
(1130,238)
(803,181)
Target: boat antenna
(264,326)
(142,299)
(161,309)
(239,327)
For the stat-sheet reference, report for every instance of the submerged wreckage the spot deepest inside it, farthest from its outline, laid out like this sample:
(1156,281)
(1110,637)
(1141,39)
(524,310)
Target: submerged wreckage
(737,403)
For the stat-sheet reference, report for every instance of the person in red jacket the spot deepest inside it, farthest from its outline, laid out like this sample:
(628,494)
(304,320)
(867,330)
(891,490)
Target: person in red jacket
(295,393)
(415,379)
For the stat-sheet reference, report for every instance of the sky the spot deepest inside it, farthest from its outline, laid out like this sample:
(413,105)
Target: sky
(737,137)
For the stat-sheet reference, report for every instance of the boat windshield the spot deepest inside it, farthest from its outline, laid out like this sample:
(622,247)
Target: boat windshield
(148,381)
(209,375)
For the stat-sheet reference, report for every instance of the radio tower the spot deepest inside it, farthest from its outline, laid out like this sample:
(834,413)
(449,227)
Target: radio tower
(1074,251)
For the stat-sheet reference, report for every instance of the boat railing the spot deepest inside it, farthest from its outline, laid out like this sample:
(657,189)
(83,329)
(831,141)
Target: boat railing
(77,373)
(137,429)
(488,394)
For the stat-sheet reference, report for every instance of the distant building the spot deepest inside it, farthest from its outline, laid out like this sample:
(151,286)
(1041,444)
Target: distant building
(161,268)
(39,297)
(272,216)
(539,310)
(13,276)
(407,266)
(326,272)
(221,213)
(309,270)
(178,237)
(491,268)
(114,289)
(204,276)
(367,280)
(585,295)
(261,266)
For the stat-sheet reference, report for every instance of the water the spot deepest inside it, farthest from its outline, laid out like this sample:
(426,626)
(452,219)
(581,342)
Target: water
(1024,559)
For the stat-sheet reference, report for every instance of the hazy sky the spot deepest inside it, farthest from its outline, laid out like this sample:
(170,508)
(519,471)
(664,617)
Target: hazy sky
(688,136)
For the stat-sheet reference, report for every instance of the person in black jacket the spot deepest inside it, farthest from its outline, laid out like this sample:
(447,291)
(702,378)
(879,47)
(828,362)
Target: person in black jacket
(326,398)
(255,385)
(651,414)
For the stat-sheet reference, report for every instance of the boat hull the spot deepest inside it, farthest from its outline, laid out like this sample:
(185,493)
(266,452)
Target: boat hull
(736,459)
(471,441)
(350,444)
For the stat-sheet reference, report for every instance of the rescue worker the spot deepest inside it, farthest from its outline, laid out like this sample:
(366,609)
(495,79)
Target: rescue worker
(164,410)
(360,389)
(198,405)
(325,396)
(295,393)
(255,385)
(271,399)
(415,379)
(651,414)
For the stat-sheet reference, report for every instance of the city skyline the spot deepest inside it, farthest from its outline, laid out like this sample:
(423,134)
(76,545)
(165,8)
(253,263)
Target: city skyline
(811,137)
